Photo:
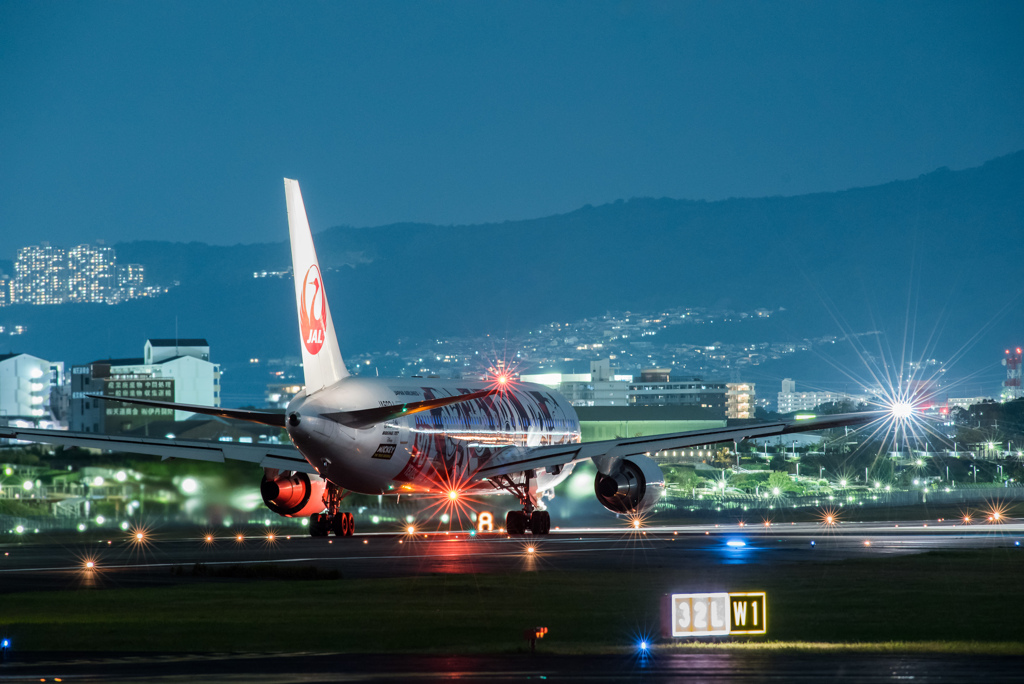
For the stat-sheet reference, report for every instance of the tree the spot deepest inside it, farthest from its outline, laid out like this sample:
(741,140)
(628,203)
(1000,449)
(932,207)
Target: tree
(682,477)
(779,480)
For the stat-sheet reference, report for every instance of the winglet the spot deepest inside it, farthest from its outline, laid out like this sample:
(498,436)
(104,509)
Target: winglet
(322,364)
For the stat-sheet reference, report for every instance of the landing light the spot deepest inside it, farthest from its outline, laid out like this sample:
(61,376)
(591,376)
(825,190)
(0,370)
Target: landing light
(410,530)
(453,495)
(902,410)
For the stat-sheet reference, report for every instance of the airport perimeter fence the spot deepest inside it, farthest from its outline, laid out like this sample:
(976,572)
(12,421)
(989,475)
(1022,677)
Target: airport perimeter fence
(860,498)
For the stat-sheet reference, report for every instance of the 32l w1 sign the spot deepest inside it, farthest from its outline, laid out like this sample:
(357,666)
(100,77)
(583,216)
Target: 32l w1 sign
(717,614)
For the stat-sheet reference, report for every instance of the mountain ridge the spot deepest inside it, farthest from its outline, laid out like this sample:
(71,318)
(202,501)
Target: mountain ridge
(944,246)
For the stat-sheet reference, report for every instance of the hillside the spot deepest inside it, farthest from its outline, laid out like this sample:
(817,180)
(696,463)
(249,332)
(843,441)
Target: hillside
(946,246)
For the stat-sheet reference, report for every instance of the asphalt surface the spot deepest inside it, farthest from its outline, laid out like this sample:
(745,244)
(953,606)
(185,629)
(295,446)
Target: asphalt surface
(689,667)
(165,558)
(121,560)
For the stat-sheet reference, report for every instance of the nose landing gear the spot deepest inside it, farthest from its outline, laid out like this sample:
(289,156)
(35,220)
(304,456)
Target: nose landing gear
(517,522)
(538,522)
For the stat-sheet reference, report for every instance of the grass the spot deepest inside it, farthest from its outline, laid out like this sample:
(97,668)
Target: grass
(965,601)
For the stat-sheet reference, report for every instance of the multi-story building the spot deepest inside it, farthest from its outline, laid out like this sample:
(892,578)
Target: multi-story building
(599,387)
(171,370)
(40,275)
(740,400)
(30,388)
(131,280)
(657,388)
(53,275)
(966,402)
(790,400)
(91,274)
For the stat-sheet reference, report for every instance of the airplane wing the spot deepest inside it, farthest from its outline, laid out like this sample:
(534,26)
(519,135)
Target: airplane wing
(517,459)
(268,456)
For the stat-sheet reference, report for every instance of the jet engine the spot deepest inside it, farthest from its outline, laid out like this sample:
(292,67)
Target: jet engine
(633,486)
(293,495)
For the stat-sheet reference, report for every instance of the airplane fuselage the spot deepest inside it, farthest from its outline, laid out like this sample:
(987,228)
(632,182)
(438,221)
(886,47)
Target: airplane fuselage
(430,451)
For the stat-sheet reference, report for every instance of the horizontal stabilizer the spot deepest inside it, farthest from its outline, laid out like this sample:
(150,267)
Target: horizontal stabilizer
(379,414)
(261,417)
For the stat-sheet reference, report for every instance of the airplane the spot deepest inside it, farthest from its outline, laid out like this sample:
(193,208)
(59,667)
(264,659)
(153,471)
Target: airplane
(419,436)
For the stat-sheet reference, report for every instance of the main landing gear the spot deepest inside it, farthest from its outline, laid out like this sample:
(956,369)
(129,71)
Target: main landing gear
(518,522)
(343,524)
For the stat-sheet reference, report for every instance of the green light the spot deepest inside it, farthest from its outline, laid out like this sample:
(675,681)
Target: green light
(804,416)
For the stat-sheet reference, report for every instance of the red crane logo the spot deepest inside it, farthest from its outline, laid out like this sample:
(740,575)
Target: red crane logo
(312,313)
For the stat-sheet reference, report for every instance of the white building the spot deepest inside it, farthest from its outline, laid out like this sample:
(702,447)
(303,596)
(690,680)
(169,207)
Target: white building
(160,349)
(599,387)
(171,370)
(28,386)
(790,400)
(966,402)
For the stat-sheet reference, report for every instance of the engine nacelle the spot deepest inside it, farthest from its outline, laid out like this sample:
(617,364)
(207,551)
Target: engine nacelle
(634,486)
(293,495)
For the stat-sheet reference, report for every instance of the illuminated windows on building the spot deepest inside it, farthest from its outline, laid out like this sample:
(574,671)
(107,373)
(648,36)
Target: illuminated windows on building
(739,400)
(83,274)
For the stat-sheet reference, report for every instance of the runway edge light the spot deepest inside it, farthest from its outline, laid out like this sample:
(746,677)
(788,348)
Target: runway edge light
(714,614)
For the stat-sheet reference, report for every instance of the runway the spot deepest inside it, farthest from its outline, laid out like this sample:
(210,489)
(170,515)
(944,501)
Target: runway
(691,667)
(161,559)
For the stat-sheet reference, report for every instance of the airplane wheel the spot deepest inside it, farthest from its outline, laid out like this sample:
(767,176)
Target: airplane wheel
(351,524)
(319,525)
(340,524)
(540,522)
(515,522)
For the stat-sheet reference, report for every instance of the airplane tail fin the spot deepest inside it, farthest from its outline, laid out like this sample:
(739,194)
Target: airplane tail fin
(321,355)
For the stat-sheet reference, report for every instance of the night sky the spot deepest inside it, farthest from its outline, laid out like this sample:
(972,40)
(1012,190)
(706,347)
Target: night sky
(177,120)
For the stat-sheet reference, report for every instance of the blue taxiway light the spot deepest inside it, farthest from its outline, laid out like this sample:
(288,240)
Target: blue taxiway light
(736,543)
(812,542)
(643,645)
